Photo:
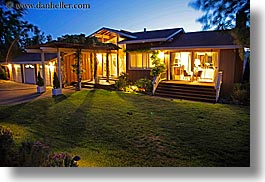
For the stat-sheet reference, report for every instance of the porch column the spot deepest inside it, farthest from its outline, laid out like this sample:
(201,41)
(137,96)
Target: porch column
(43,68)
(118,62)
(107,66)
(59,67)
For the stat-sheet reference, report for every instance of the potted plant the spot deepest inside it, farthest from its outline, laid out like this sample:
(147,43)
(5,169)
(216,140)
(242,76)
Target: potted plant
(56,86)
(40,83)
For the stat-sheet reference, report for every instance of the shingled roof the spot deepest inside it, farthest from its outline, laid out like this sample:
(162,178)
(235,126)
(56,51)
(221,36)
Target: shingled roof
(203,39)
(33,58)
(153,36)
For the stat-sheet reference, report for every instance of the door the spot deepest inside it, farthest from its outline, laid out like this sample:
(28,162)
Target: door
(180,63)
(30,74)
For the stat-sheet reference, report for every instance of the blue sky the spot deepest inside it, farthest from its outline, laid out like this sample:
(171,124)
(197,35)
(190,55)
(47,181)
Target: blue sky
(132,15)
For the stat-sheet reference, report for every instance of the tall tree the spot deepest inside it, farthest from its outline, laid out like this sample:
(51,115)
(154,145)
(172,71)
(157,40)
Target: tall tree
(226,14)
(15,33)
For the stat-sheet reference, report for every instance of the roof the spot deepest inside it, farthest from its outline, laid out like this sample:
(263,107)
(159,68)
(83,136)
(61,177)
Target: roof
(107,31)
(203,39)
(108,46)
(153,36)
(33,58)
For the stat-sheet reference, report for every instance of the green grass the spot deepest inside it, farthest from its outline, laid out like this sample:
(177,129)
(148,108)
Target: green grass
(108,128)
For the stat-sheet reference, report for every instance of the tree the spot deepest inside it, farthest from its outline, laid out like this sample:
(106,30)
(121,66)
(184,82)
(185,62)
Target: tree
(16,33)
(226,14)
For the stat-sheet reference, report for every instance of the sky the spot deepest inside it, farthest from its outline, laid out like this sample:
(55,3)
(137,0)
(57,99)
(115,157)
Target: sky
(131,15)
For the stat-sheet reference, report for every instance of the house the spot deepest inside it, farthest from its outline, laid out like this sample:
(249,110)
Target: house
(205,59)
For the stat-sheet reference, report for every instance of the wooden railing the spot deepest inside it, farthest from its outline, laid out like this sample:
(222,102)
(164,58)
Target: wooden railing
(157,80)
(218,83)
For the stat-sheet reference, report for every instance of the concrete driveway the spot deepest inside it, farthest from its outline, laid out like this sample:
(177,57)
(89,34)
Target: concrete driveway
(15,93)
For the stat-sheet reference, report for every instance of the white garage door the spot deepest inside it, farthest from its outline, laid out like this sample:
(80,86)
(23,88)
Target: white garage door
(30,74)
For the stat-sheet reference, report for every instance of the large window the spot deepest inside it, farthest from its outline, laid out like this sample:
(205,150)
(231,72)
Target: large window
(140,61)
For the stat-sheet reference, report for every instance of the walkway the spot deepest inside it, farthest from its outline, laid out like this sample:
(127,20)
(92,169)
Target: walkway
(16,93)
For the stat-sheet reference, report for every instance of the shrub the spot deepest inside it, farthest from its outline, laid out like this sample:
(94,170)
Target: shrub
(145,84)
(62,160)
(122,82)
(6,147)
(159,66)
(33,154)
(56,82)
(40,81)
(241,93)
(3,73)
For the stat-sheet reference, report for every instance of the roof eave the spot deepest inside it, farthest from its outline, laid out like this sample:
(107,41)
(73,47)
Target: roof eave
(143,41)
(198,47)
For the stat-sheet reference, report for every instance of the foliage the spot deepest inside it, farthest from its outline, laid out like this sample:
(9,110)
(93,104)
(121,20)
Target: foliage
(40,81)
(226,14)
(62,160)
(3,73)
(33,154)
(122,82)
(159,67)
(16,32)
(6,145)
(145,84)
(56,82)
(241,93)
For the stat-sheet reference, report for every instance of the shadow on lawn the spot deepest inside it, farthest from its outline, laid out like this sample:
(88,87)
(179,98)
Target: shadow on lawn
(74,125)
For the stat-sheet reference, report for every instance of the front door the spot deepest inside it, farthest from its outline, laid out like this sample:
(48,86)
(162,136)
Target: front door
(180,63)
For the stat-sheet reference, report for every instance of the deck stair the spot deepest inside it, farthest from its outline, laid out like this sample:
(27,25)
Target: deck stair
(203,93)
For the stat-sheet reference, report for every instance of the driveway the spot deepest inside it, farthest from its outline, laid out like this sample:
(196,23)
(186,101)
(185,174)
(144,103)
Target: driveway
(15,93)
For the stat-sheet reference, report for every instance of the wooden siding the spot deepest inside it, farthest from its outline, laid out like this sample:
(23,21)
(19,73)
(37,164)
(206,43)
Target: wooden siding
(70,76)
(227,64)
(135,75)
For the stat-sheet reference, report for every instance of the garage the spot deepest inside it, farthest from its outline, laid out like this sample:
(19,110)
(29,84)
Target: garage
(30,74)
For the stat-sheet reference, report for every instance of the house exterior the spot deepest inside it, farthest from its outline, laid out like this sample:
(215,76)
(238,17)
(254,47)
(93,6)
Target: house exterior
(199,57)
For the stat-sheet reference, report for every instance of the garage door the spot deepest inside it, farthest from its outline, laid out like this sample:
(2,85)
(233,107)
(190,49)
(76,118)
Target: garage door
(30,74)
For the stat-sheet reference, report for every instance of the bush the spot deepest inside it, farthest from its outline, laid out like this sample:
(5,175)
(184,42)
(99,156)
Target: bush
(144,84)
(33,154)
(3,73)
(122,82)
(56,82)
(40,81)
(6,147)
(241,93)
(62,160)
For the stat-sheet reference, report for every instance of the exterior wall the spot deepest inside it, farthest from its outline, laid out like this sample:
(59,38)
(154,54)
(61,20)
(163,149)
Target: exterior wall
(16,73)
(232,66)
(70,76)
(136,74)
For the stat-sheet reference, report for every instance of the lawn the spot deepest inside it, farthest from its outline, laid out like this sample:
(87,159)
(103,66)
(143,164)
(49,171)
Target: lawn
(109,128)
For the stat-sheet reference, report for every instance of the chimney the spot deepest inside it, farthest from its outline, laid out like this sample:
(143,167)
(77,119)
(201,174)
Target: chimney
(144,29)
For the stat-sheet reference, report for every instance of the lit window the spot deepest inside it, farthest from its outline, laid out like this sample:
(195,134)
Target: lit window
(140,60)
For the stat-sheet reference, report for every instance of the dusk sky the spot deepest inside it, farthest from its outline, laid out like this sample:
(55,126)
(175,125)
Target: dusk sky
(132,15)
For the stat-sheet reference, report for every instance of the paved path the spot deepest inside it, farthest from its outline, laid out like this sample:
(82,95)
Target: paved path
(15,93)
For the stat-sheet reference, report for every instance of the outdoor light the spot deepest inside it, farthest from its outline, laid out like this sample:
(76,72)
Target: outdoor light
(51,66)
(161,55)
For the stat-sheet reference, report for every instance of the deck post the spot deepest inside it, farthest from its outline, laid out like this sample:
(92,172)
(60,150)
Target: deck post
(43,68)
(107,66)
(59,67)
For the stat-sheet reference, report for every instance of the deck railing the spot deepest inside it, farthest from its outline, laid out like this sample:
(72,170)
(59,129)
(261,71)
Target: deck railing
(218,83)
(157,80)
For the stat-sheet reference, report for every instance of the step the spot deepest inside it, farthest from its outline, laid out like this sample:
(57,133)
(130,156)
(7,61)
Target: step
(202,93)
